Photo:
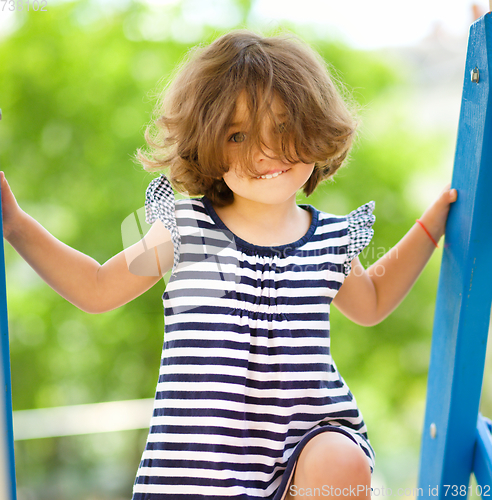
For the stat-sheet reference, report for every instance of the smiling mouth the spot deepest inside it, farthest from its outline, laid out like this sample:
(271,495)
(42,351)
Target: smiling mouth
(271,176)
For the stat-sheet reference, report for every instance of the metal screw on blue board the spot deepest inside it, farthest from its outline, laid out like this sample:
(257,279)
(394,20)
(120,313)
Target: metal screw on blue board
(475,75)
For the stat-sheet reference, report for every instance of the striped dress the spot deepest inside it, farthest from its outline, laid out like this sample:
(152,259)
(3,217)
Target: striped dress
(246,376)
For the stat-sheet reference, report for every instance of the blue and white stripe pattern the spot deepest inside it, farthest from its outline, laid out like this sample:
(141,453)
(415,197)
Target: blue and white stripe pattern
(246,377)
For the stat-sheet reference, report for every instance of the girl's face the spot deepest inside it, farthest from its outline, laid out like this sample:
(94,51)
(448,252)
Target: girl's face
(278,181)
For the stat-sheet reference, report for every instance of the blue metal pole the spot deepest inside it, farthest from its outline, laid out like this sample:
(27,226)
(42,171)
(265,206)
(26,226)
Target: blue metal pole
(8,442)
(464,294)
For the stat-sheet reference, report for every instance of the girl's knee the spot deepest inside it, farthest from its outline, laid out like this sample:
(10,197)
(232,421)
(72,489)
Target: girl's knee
(332,454)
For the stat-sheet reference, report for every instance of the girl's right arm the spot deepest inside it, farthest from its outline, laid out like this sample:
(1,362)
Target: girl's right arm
(92,287)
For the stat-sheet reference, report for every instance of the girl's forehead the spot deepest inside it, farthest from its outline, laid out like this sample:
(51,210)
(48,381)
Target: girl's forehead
(241,113)
(242,109)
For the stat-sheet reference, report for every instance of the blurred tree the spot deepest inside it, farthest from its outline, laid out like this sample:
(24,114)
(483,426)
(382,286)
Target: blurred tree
(76,87)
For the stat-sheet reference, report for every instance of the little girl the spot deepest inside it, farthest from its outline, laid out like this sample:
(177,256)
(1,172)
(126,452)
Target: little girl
(249,403)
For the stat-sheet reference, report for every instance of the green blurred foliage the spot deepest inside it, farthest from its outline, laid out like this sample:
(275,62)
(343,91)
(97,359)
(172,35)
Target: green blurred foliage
(77,89)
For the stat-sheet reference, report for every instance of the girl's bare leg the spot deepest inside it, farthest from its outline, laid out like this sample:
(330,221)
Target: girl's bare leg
(331,465)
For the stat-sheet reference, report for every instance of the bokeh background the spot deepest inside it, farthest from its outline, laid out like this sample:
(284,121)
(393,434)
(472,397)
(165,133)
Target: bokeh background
(77,88)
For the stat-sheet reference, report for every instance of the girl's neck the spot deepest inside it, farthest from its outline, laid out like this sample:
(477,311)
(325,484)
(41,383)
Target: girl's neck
(265,224)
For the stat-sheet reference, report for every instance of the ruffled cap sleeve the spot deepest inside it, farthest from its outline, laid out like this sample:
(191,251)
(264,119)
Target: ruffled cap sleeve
(160,205)
(360,232)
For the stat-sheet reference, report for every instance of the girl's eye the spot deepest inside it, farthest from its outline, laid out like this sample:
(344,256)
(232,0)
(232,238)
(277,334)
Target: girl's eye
(281,128)
(237,137)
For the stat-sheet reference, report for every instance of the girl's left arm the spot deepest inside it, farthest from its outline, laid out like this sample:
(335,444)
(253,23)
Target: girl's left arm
(369,296)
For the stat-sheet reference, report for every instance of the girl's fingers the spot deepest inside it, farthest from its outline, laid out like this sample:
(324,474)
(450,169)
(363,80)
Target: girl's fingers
(449,195)
(3,180)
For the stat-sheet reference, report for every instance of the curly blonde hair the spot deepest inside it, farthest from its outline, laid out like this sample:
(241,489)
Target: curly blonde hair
(194,114)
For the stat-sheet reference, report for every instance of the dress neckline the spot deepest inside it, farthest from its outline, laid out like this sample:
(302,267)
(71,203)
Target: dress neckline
(251,248)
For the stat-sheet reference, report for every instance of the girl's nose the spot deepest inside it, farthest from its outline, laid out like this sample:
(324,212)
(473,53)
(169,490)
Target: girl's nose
(266,151)
(263,153)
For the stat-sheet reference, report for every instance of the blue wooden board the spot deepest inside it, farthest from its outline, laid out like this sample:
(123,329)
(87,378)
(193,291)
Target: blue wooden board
(8,486)
(482,460)
(464,294)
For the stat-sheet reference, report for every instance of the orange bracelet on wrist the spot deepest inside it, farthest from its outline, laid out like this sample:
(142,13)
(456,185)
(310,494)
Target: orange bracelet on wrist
(428,234)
